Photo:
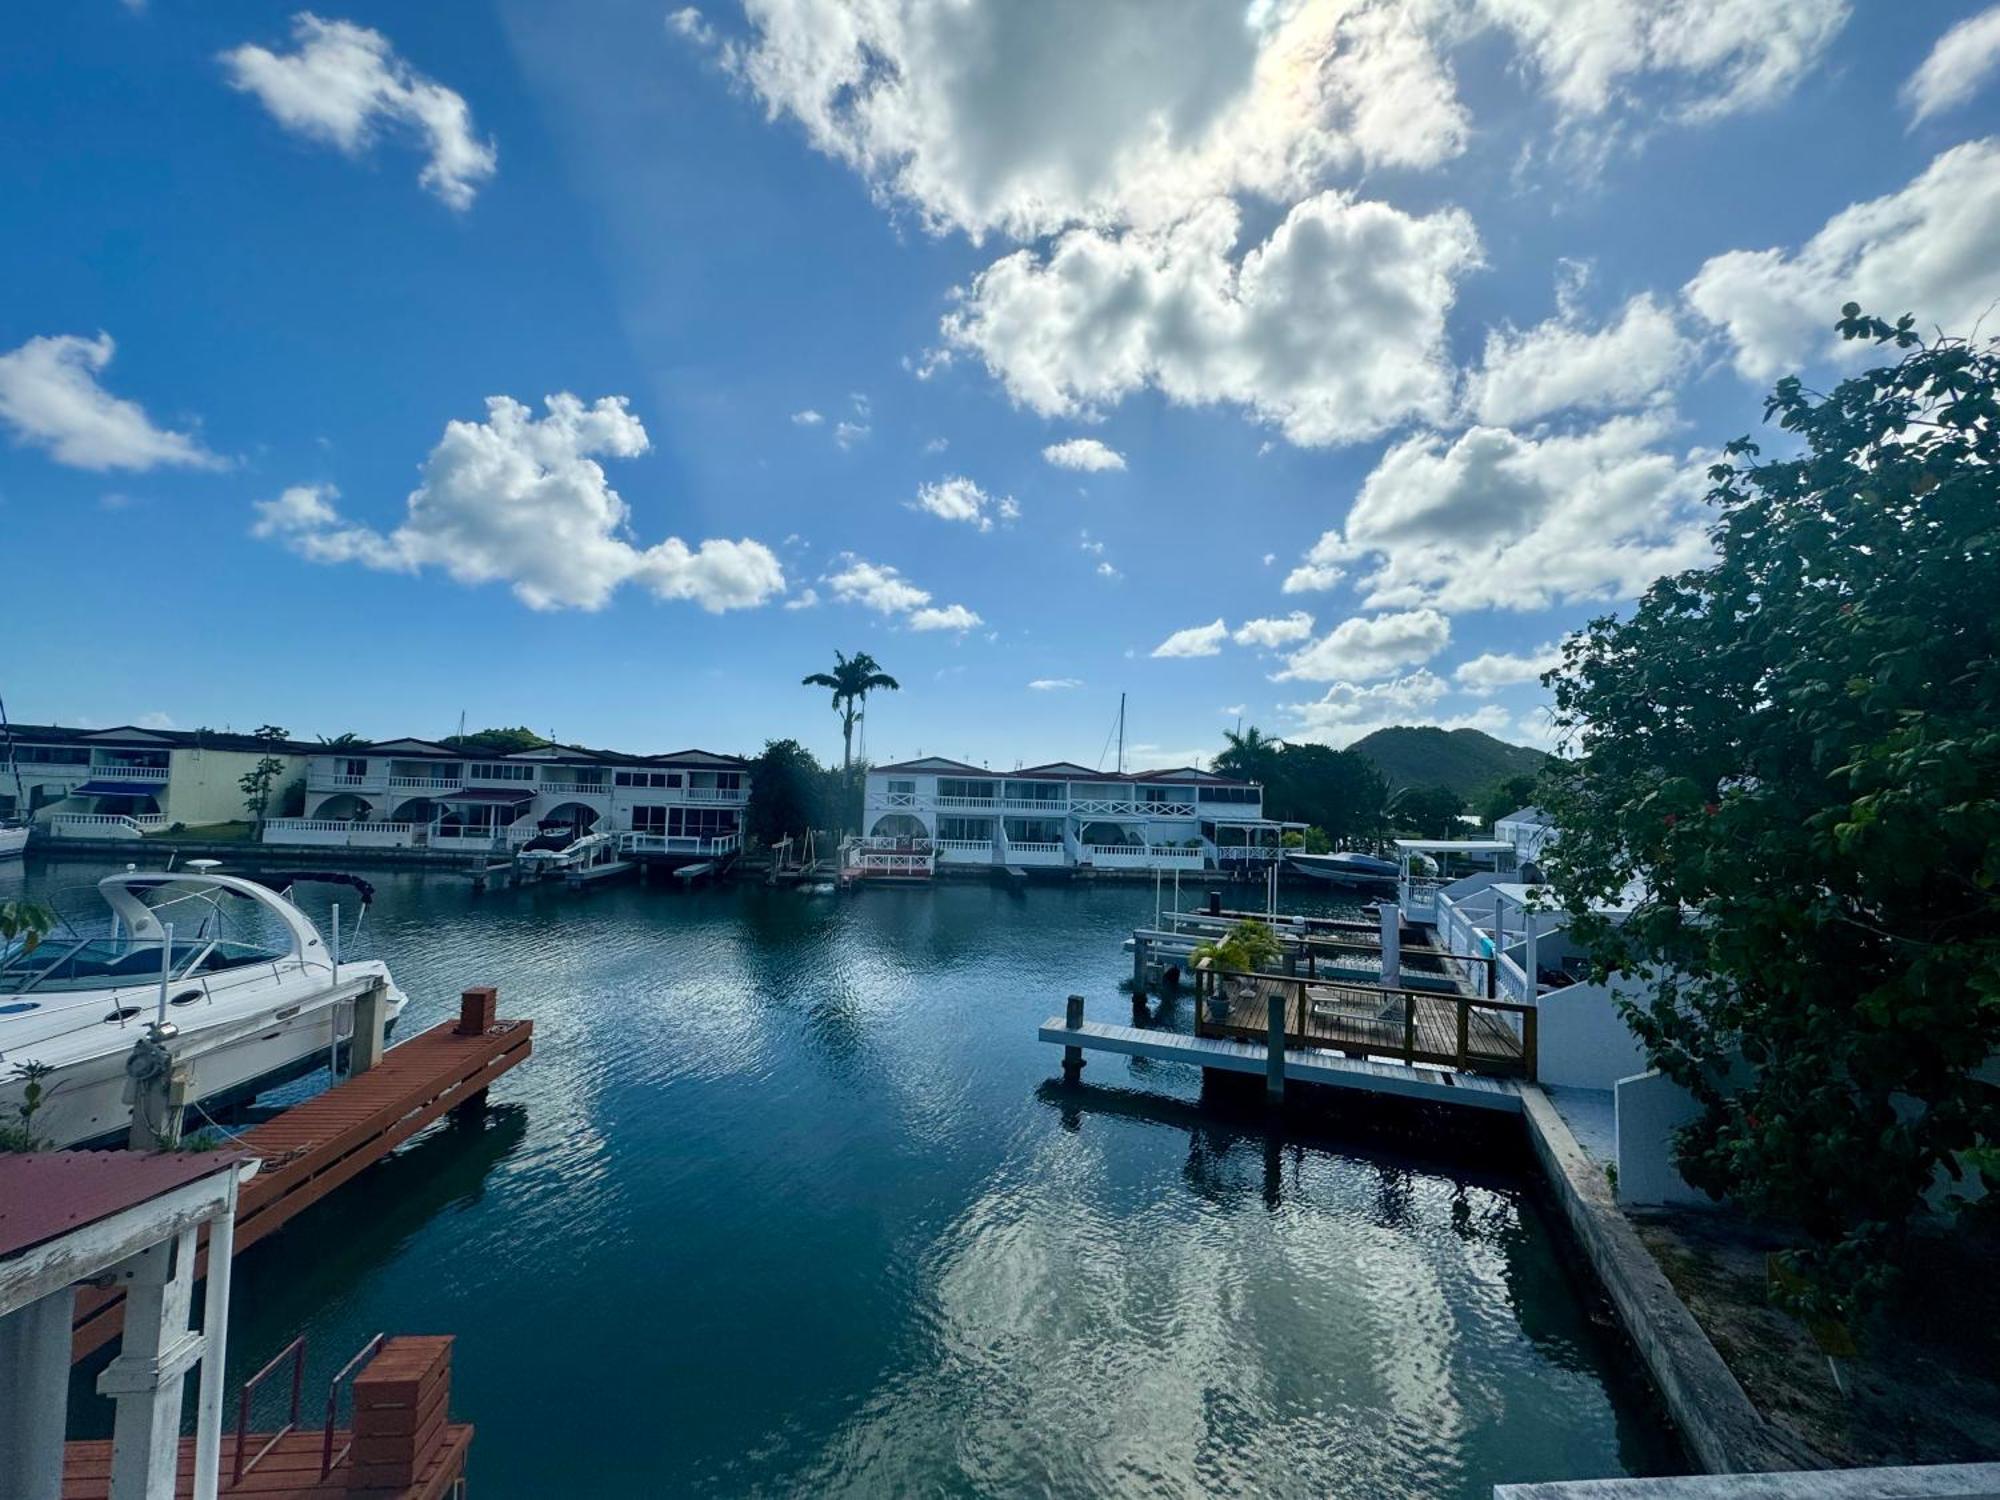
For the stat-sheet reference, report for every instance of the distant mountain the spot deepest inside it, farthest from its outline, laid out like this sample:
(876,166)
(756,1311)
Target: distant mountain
(1466,760)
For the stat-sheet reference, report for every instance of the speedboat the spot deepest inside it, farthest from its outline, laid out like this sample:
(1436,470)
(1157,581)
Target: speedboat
(1345,867)
(13,838)
(559,853)
(72,1007)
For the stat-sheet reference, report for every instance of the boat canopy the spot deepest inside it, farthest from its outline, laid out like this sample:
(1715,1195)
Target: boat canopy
(127,894)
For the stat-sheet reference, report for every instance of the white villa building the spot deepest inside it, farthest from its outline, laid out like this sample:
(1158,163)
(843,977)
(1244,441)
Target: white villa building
(1531,831)
(128,781)
(411,793)
(919,814)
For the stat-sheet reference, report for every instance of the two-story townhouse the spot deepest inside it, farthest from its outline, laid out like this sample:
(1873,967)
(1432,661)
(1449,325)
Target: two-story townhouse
(114,783)
(1066,816)
(410,792)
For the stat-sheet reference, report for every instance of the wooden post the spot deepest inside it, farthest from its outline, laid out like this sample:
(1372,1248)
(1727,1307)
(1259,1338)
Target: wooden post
(1464,1027)
(1073,1056)
(1409,1026)
(477,1010)
(1392,943)
(371,1024)
(1274,1053)
(400,1413)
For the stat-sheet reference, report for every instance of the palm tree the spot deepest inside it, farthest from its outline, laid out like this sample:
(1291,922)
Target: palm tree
(852,680)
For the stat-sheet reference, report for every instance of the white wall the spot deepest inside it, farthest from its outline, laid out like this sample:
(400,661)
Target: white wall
(1582,1042)
(1651,1107)
(203,785)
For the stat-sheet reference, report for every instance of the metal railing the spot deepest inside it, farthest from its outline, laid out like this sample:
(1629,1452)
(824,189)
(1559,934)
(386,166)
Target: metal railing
(327,1457)
(680,843)
(295,1351)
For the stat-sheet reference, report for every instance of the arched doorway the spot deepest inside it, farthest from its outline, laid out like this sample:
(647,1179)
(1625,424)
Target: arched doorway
(418,810)
(899,826)
(345,807)
(577,817)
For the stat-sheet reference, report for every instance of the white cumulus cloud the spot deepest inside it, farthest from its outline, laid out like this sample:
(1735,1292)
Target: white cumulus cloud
(1927,249)
(1964,58)
(1332,328)
(884,589)
(1276,631)
(1498,669)
(1085,454)
(345,85)
(50,398)
(807,418)
(958,499)
(1055,684)
(1561,364)
(1494,520)
(1365,646)
(521,499)
(1196,640)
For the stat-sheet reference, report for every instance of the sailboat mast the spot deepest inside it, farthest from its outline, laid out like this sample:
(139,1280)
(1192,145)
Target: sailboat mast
(1121,734)
(13,765)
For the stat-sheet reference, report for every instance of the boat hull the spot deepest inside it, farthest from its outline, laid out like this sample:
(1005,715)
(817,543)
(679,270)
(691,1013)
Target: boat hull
(13,842)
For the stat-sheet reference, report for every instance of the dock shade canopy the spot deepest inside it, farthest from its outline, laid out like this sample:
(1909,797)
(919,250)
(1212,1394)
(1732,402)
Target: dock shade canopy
(95,788)
(504,796)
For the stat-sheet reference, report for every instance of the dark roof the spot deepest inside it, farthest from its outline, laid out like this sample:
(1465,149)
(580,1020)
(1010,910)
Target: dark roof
(697,758)
(1527,815)
(132,737)
(47,1194)
(110,786)
(502,796)
(409,747)
(1061,770)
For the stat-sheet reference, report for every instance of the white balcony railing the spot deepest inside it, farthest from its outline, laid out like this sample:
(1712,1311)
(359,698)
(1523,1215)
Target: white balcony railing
(724,794)
(879,800)
(965,851)
(557,790)
(425,783)
(105,825)
(1143,857)
(1125,807)
(962,804)
(711,845)
(112,771)
(1036,852)
(1229,854)
(339,833)
(335,781)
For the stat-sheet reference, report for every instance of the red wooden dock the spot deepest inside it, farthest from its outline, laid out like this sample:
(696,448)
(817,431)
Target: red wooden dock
(318,1145)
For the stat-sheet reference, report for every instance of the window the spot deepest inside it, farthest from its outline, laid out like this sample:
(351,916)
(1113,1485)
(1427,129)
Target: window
(902,789)
(53,755)
(1237,794)
(1161,794)
(980,791)
(649,819)
(497,772)
(659,779)
(354,768)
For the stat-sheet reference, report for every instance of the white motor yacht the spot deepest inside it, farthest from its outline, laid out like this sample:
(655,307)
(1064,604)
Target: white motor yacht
(76,1006)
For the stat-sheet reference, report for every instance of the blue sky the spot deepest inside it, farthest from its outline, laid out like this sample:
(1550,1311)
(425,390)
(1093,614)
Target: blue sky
(605,368)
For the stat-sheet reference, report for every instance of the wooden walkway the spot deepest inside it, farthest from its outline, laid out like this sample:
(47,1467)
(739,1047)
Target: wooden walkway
(290,1471)
(1440,1027)
(316,1146)
(1304,1065)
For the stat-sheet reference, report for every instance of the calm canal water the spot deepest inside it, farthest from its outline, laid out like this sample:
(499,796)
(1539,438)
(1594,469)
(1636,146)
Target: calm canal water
(787,1202)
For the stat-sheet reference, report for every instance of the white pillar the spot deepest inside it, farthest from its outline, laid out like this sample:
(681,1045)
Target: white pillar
(1392,943)
(215,1348)
(34,1396)
(145,1379)
(1534,982)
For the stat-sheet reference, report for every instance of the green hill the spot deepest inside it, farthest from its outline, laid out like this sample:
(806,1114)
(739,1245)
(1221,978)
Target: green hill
(1466,760)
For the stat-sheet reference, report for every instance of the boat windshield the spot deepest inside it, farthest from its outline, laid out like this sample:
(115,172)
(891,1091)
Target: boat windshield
(105,963)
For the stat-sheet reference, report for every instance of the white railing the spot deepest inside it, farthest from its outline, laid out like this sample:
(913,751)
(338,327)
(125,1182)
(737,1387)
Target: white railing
(906,863)
(339,833)
(556,789)
(1036,852)
(878,800)
(105,825)
(1419,897)
(982,804)
(1058,807)
(425,783)
(111,770)
(468,839)
(1238,853)
(713,845)
(1100,807)
(1143,857)
(717,793)
(1511,980)
(965,851)
(1035,846)
(339,780)
(526,784)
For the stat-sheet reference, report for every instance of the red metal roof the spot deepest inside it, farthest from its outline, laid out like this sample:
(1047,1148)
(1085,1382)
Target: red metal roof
(47,1194)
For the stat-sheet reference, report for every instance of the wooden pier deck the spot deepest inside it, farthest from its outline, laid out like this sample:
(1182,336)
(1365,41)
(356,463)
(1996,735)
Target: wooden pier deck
(290,1471)
(1301,1065)
(316,1146)
(1412,1025)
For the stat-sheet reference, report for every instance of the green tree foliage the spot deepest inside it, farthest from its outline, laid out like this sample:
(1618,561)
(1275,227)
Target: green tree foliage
(1507,796)
(1338,792)
(342,741)
(1248,946)
(1797,751)
(1466,760)
(1430,812)
(495,741)
(851,681)
(790,792)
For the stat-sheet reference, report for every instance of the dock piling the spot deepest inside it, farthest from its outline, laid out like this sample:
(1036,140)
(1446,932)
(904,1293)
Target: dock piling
(1073,1056)
(1142,959)
(371,1020)
(1392,943)
(1274,1057)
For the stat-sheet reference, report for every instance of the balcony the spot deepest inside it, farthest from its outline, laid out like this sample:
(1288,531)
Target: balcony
(964,851)
(425,783)
(111,770)
(966,804)
(557,791)
(727,795)
(1142,857)
(319,779)
(1126,807)
(1027,852)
